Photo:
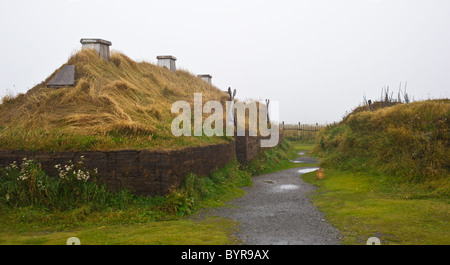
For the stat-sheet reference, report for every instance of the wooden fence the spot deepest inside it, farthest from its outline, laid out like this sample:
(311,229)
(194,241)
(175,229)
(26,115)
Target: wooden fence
(302,131)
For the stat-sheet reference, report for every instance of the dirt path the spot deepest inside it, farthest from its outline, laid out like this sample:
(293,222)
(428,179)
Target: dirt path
(277,211)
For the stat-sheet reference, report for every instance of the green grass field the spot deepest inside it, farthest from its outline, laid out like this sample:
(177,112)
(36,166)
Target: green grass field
(361,207)
(210,231)
(387,174)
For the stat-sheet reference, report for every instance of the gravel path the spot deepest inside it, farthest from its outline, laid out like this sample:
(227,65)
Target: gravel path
(277,211)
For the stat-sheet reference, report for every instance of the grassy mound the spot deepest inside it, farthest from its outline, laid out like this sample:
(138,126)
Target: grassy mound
(407,142)
(114,105)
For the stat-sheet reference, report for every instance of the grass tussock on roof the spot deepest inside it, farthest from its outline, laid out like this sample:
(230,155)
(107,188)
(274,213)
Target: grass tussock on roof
(119,104)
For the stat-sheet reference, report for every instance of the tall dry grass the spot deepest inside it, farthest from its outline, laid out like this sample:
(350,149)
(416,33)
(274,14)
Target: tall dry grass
(111,99)
(409,142)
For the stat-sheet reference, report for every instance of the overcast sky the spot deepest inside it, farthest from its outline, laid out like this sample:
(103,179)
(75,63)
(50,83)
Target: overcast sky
(318,58)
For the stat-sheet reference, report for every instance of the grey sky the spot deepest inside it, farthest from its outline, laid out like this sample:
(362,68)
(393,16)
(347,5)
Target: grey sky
(317,58)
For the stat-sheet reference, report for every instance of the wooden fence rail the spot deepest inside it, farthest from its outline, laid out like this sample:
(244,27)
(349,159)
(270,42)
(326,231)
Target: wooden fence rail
(305,131)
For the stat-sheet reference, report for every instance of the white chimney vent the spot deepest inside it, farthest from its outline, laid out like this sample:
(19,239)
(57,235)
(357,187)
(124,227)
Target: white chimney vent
(167,61)
(206,77)
(99,45)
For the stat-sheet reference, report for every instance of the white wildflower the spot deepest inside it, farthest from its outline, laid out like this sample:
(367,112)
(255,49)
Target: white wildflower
(63,174)
(40,185)
(79,174)
(13,165)
(68,168)
(25,163)
(22,177)
(82,176)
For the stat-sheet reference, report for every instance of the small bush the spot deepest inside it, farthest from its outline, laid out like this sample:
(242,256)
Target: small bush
(28,185)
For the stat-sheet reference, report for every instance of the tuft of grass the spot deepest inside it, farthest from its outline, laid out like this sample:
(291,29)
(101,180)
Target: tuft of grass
(387,174)
(408,142)
(25,184)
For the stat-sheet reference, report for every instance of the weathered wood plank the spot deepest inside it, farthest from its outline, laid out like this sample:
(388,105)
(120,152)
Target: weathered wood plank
(65,77)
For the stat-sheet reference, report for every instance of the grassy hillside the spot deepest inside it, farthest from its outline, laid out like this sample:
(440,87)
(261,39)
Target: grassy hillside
(115,105)
(406,145)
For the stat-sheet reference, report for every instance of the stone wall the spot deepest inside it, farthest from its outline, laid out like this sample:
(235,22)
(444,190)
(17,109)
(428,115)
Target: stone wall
(146,172)
(141,172)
